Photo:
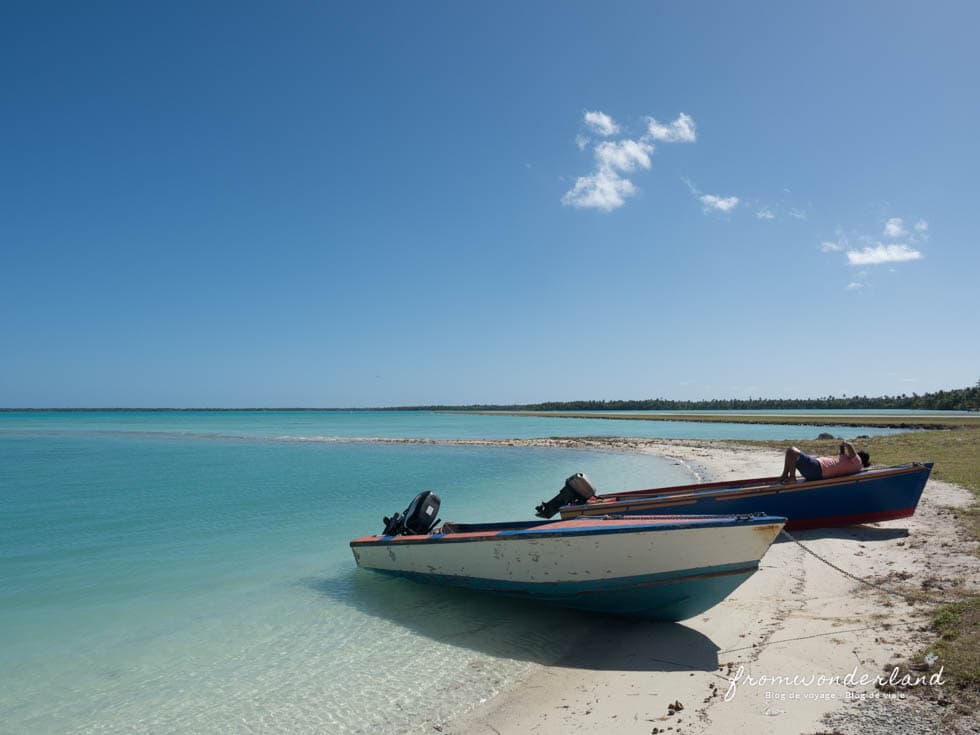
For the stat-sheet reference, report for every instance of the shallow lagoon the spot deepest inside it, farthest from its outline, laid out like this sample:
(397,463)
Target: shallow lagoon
(189,572)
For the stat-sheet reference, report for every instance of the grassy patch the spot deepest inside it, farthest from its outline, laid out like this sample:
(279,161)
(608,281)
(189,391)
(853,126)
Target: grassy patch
(956,650)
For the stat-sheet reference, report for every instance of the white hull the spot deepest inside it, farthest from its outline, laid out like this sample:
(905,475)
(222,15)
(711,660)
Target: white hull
(574,557)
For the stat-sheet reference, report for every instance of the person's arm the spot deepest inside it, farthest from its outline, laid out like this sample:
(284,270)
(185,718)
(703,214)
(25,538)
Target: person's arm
(848,449)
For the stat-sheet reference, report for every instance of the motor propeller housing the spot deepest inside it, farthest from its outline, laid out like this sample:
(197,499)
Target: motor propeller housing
(576,490)
(418,519)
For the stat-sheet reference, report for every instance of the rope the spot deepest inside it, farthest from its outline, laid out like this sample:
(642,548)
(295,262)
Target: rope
(797,638)
(908,597)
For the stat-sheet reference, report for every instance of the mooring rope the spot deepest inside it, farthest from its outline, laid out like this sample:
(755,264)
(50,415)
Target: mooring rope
(908,597)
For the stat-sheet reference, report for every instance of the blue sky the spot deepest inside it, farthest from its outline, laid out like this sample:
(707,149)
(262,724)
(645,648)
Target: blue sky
(312,204)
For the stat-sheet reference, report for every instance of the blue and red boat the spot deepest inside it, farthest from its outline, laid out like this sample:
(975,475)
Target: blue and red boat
(872,495)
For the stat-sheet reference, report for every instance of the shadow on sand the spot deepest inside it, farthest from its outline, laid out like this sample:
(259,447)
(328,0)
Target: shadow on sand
(516,629)
(850,533)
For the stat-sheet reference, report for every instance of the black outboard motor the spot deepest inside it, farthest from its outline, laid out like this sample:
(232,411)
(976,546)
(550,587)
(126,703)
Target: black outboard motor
(576,491)
(418,519)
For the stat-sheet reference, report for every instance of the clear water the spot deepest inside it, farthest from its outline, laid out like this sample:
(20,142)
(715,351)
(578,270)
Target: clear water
(189,572)
(156,576)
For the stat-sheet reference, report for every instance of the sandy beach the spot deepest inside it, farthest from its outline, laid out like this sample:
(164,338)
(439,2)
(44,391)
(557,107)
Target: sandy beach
(796,649)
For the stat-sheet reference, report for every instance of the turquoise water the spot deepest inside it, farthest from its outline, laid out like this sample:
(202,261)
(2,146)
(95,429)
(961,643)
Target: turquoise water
(340,425)
(189,572)
(158,577)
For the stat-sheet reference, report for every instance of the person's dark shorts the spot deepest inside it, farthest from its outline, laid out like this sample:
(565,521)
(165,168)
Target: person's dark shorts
(809,467)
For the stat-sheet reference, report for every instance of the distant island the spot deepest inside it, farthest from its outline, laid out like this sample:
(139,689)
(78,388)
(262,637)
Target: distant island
(960,399)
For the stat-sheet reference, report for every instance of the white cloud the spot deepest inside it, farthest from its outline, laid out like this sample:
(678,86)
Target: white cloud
(894,228)
(797,213)
(682,130)
(605,190)
(623,155)
(920,232)
(831,247)
(878,254)
(854,286)
(718,204)
(601,123)
(711,202)
(765,213)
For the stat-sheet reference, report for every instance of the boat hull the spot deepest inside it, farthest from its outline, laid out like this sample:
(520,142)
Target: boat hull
(668,569)
(868,497)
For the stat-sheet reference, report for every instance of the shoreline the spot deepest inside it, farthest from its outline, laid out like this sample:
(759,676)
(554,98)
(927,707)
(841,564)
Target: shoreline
(738,667)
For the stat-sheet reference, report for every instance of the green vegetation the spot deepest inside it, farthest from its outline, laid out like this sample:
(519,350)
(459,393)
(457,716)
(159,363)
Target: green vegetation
(960,399)
(956,650)
(894,421)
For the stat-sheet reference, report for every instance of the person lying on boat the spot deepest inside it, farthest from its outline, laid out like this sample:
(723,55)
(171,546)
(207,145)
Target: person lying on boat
(847,462)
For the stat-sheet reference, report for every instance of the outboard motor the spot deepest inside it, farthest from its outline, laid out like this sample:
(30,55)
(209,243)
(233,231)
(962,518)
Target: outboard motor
(576,491)
(418,519)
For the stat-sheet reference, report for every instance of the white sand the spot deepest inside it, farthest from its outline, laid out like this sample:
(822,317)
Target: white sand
(796,617)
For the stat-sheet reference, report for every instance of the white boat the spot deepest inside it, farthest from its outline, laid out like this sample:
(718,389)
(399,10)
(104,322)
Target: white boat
(657,567)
